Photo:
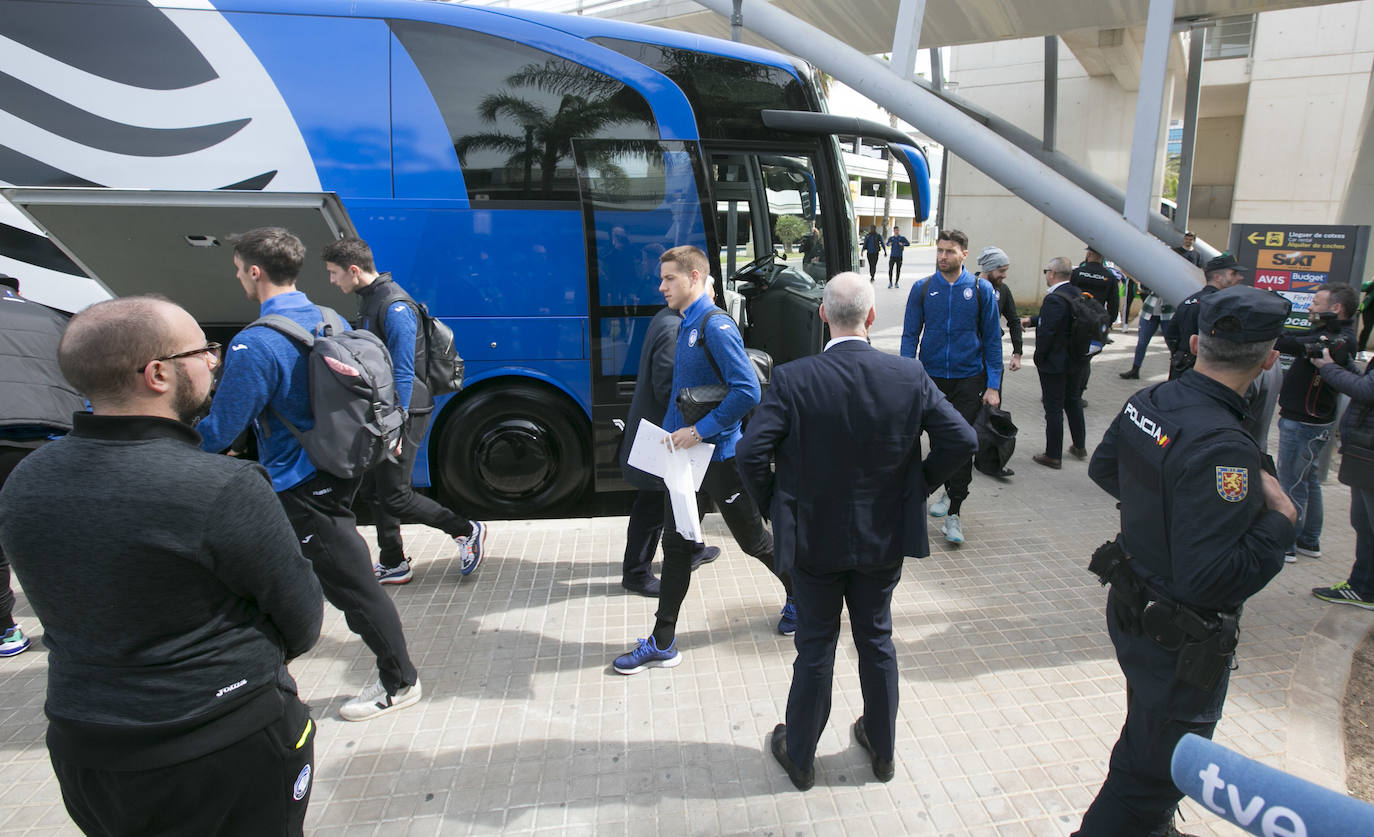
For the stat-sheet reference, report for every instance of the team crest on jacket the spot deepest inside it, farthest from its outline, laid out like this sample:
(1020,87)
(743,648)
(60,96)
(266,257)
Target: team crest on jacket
(1232,483)
(692,337)
(968,293)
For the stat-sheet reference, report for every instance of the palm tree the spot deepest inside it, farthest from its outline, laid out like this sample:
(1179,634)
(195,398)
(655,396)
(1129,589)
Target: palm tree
(589,105)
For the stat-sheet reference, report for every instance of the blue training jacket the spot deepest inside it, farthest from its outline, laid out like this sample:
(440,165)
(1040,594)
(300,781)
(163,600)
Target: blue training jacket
(262,367)
(720,427)
(951,346)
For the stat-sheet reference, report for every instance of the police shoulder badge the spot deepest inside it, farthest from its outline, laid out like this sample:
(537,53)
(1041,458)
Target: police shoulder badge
(1233,483)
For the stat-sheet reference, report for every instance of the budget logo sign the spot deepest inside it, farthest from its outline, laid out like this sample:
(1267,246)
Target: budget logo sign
(1308,276)
(1272,280)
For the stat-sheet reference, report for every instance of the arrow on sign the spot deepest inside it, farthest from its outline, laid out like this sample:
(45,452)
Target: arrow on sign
(1255,238)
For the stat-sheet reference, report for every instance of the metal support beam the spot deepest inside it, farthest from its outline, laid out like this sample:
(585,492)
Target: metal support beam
(737,21)
(1197,38)
(1051,90)
(1143,256)
(906,38)
(937,70)
(1149,104)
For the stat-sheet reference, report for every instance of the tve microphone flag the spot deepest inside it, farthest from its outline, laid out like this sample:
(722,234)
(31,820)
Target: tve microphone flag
(1262,800)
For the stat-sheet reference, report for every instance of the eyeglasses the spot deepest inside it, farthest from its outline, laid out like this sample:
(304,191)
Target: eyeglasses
(212,349)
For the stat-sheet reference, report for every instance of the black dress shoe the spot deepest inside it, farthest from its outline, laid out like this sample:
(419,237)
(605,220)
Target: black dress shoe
(705,556)
(803,780)
(648,587)
(1006,472)
(884,769)
(1132,374)
(1048,461)
(1077,452)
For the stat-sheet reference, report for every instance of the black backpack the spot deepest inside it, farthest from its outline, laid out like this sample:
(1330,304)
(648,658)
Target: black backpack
(352,395)
(442,370)
(1088,328)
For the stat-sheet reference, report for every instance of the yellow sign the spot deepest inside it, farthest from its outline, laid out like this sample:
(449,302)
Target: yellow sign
(1271,239)
(1294,259)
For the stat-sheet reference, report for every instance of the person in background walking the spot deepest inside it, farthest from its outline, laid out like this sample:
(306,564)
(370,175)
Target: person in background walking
(873,243)
(895,245)
(1154,313)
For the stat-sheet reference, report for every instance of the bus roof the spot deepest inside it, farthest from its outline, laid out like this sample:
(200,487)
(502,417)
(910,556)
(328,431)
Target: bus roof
(580,26)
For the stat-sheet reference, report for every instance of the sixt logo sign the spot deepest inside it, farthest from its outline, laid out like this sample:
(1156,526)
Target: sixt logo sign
(1272,280)
(1294,259)
(1147,425)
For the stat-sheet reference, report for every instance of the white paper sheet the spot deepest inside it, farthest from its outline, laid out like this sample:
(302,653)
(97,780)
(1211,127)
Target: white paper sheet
(682,472)
(649,453)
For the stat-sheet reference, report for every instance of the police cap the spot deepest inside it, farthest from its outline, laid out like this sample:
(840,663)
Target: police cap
(1224,261)
(1242,314)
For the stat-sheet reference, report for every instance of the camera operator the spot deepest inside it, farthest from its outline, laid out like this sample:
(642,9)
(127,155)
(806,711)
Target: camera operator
(1357,471)
(1307,409)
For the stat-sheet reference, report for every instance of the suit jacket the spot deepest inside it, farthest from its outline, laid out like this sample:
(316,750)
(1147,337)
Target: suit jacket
(844,429)
(653,388)
(1052,326)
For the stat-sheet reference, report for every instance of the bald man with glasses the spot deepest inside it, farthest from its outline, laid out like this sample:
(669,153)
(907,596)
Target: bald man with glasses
(171,590)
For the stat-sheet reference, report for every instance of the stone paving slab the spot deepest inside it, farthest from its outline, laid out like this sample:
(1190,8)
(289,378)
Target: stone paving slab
(1011,697)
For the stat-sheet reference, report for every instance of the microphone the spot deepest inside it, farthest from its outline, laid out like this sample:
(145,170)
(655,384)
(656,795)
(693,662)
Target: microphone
(1262,800)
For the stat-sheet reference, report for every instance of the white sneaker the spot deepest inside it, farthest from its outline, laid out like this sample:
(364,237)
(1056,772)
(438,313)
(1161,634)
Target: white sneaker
(375,701)
(954,533)
(940,507)
(1290,558)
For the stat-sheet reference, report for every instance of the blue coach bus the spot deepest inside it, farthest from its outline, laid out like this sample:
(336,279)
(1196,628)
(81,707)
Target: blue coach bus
(518,172)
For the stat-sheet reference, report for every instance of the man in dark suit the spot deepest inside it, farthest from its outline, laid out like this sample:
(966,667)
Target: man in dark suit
(1062,376)
(847,504)
(653,388)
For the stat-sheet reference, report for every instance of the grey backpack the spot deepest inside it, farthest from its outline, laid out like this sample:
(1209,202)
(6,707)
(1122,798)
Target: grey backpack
(352,395)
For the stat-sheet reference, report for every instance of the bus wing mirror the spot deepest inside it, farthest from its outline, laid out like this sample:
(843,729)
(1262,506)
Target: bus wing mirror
(918,175)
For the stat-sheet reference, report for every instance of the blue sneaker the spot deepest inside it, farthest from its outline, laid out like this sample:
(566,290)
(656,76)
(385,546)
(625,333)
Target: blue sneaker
(648,655)
(787,625)
(940,507)
(13,642)
(470,548)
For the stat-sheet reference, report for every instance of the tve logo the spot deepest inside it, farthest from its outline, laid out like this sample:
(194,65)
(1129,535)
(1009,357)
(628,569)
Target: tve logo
(1273,821)
(1272,280)
(1262,800)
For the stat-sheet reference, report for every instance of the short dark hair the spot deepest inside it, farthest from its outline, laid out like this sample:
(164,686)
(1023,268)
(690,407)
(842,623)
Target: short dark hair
(349,251)
(275,250)
(1344,296)
(688,257)
(105,345)
(1230,355)
(957,236)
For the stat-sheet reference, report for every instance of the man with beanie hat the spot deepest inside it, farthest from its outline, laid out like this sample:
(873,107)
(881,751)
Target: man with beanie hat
(994,264)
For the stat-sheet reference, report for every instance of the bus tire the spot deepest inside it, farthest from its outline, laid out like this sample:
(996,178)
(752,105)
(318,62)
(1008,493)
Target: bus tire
(511,451)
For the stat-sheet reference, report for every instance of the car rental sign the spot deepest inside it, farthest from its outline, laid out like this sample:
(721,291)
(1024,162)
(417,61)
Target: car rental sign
(1296,261)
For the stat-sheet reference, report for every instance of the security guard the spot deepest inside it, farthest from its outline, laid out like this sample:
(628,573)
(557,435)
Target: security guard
(1203,528)
(1222,272)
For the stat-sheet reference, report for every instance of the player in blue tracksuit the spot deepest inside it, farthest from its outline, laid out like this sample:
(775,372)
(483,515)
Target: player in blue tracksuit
(895,244)
(953,316)
(263,368)
(386,310)
(701,339)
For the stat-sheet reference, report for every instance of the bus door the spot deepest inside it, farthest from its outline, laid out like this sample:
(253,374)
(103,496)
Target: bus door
(639,198)
(772,237)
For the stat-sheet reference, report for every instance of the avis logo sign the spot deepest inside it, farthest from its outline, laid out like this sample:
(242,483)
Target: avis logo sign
(1272,280)
(1274,821)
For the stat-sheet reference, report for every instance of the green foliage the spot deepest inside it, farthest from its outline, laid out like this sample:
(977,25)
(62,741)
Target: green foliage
(1171,168)
(789,228)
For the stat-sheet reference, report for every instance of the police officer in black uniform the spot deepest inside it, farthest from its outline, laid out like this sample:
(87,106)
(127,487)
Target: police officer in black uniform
(1203,528)
(1222,272)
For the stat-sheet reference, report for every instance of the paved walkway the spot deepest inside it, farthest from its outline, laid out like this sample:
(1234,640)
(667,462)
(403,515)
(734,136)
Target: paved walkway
(1010,699)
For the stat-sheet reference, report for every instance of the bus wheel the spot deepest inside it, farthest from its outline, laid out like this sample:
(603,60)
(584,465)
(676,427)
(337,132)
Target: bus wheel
(513,451)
